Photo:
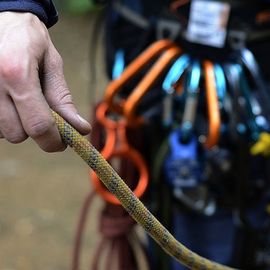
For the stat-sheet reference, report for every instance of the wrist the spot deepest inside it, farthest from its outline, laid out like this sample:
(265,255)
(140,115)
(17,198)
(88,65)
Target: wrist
(44,10)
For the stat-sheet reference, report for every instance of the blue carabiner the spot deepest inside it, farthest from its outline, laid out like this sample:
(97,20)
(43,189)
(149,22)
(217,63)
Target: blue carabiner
(173,75)
(192,93)
(220,83)
(175,72)
(194,79)
(119,64)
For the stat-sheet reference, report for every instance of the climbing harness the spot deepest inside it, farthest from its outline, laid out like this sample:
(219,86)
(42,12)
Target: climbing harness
(134,207)
(201,108)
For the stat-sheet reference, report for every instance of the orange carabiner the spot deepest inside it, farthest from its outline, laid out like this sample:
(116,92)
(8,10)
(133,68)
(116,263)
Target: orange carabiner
(212,106)
(117,146)
(146,83)
(132,70)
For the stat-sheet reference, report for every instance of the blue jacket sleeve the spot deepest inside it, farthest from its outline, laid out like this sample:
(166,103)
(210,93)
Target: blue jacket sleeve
(44,9)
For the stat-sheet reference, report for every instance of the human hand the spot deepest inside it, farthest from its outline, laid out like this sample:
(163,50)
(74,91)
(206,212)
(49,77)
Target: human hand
(32,82)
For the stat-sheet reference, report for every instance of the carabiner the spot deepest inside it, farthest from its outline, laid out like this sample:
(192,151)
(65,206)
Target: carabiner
(192,94)
(212,105)
(238,124)
(242,90)
(251,110)
(175,72)
(119,64)
(252,66)
(173,76)
(132,70)
(117,146)
(146,83)
(220,84)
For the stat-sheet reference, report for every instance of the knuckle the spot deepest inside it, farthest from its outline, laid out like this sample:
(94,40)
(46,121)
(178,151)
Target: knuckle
(16,137)
(11,131)
(63,95)
(38,127)
(12,71)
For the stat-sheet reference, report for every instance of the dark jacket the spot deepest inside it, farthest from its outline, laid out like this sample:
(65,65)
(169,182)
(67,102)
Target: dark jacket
(44,9)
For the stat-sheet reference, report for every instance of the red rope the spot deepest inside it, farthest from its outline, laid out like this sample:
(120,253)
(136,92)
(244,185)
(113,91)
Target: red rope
(80,230)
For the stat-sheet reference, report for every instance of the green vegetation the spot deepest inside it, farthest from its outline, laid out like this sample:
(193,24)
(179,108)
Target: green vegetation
(76,6)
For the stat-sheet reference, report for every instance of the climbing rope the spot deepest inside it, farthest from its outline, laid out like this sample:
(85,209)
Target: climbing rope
(128,200)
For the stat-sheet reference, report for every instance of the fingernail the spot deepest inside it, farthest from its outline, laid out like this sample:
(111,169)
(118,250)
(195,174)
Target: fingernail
(83,120)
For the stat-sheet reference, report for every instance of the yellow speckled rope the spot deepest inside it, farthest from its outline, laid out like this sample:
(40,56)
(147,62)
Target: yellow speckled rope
(132,204)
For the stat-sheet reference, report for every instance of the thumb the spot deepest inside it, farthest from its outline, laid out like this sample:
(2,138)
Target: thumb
(57,93)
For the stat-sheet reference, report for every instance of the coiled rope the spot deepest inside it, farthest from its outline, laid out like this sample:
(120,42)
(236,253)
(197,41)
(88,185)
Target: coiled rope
(129,201)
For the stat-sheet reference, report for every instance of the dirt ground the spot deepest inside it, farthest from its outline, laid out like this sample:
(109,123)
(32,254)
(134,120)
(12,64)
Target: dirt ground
(41,194)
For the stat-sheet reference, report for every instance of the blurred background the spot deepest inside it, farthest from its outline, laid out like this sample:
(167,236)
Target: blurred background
(41,194)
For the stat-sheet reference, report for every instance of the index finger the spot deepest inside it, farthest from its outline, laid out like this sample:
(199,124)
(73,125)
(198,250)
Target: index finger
(34,112)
